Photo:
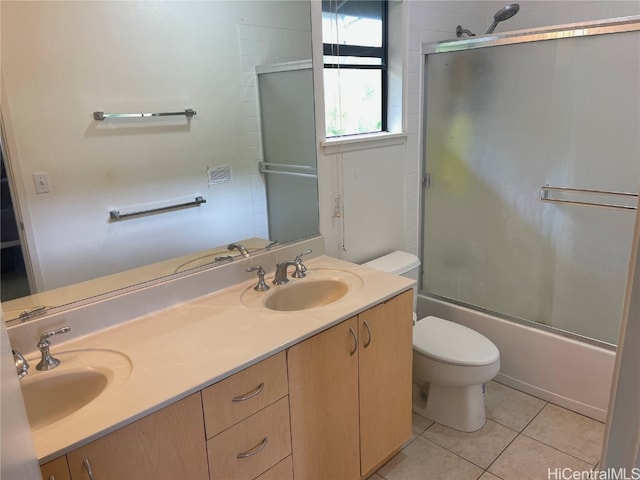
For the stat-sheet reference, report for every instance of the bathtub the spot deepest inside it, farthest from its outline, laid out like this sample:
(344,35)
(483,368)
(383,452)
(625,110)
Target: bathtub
(560,370)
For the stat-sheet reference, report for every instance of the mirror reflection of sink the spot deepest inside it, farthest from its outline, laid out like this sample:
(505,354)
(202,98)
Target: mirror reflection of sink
(82,376)
(321,287)
(304,295)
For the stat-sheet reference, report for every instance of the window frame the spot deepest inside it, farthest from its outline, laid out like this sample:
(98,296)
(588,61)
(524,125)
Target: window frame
(345,50)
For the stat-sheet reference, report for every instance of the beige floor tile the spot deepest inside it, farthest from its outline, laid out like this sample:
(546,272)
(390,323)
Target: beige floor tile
(424,460)
(480,447)
(420,424)
(569,432)
(529,459)
(509,407)
(375,476)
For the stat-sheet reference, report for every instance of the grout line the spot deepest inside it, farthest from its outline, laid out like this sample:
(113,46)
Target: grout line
(558,450)
(500,454)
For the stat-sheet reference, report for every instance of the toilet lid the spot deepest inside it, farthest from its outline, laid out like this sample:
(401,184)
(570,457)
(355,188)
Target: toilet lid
(453,343)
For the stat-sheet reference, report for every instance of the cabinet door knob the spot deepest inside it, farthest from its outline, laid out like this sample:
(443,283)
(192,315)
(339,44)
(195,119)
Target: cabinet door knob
(254,450)
(87,466)
(355,342)
(368,342)
(249,395)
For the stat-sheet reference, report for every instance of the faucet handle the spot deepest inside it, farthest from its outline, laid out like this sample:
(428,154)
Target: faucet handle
(300,271)
(46,335)
(47,362)
(22,366)
(262,285)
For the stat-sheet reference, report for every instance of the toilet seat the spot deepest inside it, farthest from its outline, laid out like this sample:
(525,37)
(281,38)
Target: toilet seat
(452,343)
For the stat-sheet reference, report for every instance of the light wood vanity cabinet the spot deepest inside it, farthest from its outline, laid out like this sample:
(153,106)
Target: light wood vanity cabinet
(168,444)
(334,406)
(350,393)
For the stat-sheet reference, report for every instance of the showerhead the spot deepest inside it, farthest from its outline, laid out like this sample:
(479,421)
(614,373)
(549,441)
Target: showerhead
(503,14)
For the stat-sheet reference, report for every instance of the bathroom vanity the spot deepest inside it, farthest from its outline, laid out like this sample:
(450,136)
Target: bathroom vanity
(318,385)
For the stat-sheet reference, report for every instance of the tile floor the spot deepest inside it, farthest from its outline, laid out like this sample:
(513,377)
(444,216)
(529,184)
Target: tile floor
(523,438)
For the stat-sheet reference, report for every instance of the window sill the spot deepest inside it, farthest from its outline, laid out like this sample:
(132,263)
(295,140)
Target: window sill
(365,141)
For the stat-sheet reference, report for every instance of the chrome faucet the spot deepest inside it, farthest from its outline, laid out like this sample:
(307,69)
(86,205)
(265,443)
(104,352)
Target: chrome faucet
(280,277)
(22,366)
(241,248)
(47,362)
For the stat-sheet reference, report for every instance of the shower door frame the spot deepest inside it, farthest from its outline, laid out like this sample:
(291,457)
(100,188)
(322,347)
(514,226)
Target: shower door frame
(555,32)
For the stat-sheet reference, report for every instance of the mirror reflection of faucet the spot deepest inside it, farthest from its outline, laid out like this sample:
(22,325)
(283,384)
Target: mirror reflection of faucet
(238,246)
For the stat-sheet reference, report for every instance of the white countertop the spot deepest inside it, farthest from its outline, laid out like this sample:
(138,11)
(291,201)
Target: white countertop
(182,349)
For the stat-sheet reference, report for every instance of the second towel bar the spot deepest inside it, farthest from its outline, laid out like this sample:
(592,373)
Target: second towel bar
(116,215)
(102,116)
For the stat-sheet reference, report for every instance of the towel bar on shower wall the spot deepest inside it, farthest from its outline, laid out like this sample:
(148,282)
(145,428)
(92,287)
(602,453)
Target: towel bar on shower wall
(102,116)
(545,189)
(116,215)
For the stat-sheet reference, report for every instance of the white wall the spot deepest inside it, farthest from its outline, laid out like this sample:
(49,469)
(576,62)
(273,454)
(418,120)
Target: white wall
(64,60)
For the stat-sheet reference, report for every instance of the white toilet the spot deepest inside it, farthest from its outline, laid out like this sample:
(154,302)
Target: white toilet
(451,362)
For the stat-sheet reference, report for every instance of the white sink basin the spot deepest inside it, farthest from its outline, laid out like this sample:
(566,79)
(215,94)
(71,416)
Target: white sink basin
(320,287)
(82,376)
(303,295)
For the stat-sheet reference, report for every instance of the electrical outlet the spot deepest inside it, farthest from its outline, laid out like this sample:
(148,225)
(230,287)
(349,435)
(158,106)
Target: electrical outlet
(336,202)
(41,181)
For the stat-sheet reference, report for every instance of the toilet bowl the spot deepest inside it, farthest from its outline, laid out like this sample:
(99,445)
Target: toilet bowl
(451,362)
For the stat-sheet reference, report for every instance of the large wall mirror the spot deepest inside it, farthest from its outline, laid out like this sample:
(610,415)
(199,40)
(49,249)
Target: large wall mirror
(242,169)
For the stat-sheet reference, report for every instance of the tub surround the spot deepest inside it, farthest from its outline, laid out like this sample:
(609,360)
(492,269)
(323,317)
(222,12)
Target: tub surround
(183,348)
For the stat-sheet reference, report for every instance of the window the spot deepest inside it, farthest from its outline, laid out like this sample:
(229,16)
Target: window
(354,35)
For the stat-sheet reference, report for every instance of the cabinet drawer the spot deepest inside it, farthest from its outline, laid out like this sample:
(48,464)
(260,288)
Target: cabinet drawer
(282,471)
(252,446)
(244,393)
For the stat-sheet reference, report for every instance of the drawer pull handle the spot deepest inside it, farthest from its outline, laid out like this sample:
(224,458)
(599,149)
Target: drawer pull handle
(249,395)
(368,342)
(254,450)
(355,342)
(87,466)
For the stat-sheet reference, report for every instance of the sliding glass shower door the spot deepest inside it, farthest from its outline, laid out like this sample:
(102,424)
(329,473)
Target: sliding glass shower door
(502,124)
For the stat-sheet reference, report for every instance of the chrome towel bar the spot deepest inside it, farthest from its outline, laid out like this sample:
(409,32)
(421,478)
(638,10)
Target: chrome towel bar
(288,169)
(103,116)
(116,215)
(545,189)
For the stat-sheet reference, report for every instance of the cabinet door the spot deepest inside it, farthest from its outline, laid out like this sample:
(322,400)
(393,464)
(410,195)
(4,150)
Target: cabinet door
(168,444)
(323,396)
(56,469)
(386,349)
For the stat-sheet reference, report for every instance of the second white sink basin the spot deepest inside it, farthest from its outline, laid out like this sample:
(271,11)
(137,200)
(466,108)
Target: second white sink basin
(303,295)
(81,377)
(320,287)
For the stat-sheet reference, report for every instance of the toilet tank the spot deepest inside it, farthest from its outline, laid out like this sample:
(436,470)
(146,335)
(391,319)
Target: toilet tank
(400,263)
